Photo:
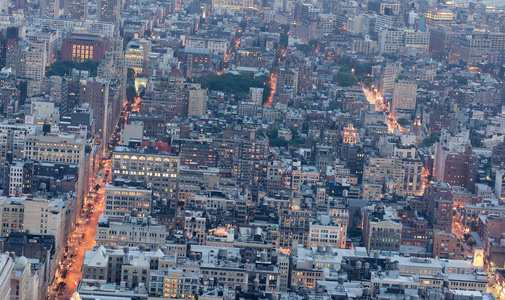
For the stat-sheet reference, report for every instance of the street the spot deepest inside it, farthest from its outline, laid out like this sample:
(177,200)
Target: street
(81,240)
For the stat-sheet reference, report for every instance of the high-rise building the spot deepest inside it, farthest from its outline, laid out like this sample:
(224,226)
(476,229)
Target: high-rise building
(137,54)
(440,205)
(404,96)
(108,11)
(50,9)
(389,74)
(35,67)
(244,155)
(95,91)
(50,38)
(76,9)
(113,65)
(197,99)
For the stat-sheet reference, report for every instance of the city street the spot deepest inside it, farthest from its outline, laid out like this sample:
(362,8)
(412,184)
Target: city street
(80,241)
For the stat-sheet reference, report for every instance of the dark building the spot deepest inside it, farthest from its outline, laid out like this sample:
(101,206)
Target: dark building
(498,155)
(82,47)
(49,177)
(460,169)
(197,152)
(355,160)
(244,156)
(195,61)
(440,204)
(153,125)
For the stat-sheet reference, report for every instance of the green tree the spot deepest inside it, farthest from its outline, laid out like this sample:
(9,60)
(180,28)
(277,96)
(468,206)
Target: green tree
(346,78)
(429,141)
(131,93)
(64,67)
(279,142)
(283,40)
(305,48)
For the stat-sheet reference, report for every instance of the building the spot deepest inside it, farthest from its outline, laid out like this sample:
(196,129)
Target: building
(95,92)
(34,69)
(123,199)
(131,266)
(54,147)
(135,232)
(389,74)
(108,11)
(404,96)
(131,132)
(50,38)
(324,231)
(382,229)
(403,40)
(81,47)
(216,45)
(499,184)
(50,9)
(477,47)
(447,245)
(197,152)
(195,61)
(174,282)
(195,227)
(157,170)
(197,104)
(137,54)
(76,9)
(440,205)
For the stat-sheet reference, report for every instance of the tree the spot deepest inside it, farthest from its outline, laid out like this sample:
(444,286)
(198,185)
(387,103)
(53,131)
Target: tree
(64,67)
(346,78)
(430,141)
(278,142)
(284,40)
(305,48)
(272,134)
(131,93)
(130,73)
(236,84)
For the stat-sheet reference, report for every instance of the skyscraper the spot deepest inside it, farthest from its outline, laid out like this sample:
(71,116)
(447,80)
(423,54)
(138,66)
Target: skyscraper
(96,92)
(404,96)
(50,9)
(76,9)
(108,11)
(35,66)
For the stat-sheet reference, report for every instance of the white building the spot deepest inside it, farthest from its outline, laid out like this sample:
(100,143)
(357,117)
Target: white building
(324,231)
(133,131)
(499,184)
(122,200)
(15,178)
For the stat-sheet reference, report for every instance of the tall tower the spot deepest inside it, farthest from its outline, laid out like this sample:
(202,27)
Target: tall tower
(35,66)
(76,9)
(50,9)
(108,11)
